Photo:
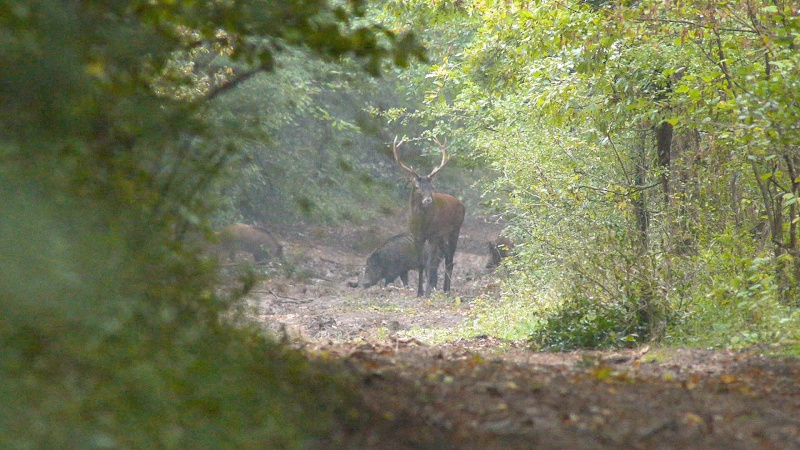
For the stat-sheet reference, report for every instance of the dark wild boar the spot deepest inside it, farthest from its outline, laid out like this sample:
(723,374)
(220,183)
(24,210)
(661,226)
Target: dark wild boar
(252,239)
(499,249)
(394,258)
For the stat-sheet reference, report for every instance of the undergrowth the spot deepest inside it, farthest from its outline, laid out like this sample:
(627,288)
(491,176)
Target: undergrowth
(725,302)
(116,345)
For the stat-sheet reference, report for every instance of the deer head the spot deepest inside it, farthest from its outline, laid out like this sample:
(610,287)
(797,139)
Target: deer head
(423,184)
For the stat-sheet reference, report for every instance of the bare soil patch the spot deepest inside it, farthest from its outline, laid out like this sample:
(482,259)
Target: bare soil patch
(486,393)
(480,393)
(317,303)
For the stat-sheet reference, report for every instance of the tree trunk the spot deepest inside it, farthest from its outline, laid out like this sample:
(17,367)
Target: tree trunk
(640,198)
(664,133)
(644,288)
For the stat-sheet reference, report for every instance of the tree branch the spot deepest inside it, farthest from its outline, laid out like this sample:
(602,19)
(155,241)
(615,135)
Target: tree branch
(619,159)
(213,93)
(696,25)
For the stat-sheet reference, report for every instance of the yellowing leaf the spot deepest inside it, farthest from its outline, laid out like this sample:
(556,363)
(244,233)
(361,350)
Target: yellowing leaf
(602,372)
(727,379)
(96,69)
(692,419)
(692,382)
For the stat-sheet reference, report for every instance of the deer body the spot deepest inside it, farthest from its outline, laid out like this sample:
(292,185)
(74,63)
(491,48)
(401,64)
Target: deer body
(435,221)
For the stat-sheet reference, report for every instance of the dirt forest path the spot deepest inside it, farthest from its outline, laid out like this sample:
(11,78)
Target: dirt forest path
(318,303)
(485,393)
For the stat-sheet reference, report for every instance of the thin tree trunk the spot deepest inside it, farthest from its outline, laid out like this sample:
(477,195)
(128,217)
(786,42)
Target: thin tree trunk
(646,304)
(640,199)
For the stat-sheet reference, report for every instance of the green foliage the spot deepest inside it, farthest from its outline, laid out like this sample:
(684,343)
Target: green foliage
(508,317)
(735,304)
(94,355)
(113,332)
(312,154)
(211,388)
(582,323)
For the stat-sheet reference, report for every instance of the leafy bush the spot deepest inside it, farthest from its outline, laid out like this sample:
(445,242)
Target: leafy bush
(200,388)
(582,323)
(95,354)
(113,332)
(737,305)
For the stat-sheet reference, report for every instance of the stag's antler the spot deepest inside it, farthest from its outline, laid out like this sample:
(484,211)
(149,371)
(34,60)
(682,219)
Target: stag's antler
(396,158)
(444,156)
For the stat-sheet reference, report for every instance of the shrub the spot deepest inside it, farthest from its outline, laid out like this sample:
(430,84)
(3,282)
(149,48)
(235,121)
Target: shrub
(582,323)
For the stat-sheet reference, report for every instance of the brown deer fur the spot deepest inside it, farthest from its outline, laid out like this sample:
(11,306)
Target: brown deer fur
(435,220)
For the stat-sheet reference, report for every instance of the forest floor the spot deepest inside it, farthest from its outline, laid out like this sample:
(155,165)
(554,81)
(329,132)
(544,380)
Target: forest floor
(483,392)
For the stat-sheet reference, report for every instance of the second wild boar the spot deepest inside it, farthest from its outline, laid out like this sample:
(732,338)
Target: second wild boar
(252,239)
(499,249)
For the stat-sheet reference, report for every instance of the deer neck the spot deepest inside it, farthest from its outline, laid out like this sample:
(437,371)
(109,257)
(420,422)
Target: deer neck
(421,217)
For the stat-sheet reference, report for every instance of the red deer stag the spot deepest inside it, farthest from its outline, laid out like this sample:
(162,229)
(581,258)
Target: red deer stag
(436,219)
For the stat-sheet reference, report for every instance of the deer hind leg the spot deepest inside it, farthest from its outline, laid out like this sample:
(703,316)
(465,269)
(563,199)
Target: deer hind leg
(431,268)
(421,268)
(433,252)
(449,254)
(448,271)
(434,261)
(421,283)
